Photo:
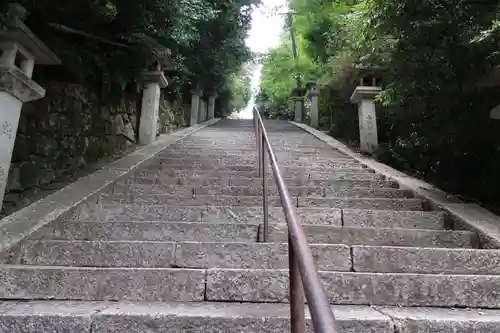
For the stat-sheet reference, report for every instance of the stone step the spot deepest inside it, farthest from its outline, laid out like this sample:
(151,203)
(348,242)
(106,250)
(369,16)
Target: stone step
(256,255)
(94,253)
(360,203)
(323,234)
(252,172)
(171,254)
(243,180)
(212,160)
(362,218)
(400,289)
(149,231)
(295,191)
(101,284)
(274,201)
(213,317)
(337,182)
(425,260)
(255,181)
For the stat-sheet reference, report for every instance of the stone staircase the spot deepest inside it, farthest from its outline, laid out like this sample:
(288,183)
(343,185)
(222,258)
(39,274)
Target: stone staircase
(176,248)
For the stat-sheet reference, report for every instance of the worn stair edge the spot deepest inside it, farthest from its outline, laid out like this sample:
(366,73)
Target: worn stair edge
(178,317)
(358,192)
(149,231)
(323,234)
(471,216)
(171,254)
(222,200)
(253,285)
(425,260)
(359,218)
(433,320)
(101,284)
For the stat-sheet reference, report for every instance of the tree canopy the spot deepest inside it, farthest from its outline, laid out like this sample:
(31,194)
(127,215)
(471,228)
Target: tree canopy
(106,44)
(433,116)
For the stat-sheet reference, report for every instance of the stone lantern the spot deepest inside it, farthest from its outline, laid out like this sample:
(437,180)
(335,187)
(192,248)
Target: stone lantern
(155,80)
(21,50)
(364,96)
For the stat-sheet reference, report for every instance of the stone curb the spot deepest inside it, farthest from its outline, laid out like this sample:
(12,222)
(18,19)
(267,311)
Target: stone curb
(470,216)
(24,222)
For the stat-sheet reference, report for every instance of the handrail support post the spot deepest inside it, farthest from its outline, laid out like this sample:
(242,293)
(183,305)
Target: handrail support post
(297,307)
(265,207)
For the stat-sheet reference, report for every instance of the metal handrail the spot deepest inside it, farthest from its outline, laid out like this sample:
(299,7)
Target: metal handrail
(302,270)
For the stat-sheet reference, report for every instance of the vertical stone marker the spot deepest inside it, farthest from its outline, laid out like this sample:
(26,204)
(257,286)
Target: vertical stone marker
(196,93)
(298,103)
(211,105)
(312,93)
(202,112)
(148,124)
(364,97)
(21,49)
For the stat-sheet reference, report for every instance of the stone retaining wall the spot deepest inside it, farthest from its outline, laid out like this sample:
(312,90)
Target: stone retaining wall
(70,130)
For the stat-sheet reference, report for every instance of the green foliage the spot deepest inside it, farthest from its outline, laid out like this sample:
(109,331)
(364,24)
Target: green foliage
(205,39)
(433,115)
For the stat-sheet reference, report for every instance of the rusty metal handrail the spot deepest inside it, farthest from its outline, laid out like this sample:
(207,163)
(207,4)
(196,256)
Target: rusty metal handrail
(302,270)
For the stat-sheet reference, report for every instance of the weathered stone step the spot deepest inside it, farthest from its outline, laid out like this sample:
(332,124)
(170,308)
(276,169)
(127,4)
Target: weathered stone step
(362,218)
(256,255)
(101,284)
(340,182)
(257,190)
(208,317)
(275,201)
(94,253)
(323,234)
(359,288)
(333,182)
(171,254)
(425,260)
(196,173)
(360,203)
(149,231)
(212,160)
(287,170)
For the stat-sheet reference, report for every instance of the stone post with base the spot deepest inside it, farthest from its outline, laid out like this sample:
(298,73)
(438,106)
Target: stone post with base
(21,49)
(202,112)
(364,97)
(312,93)
(211,105)
(196,94)
(155,80)
(148,123)
(298,104)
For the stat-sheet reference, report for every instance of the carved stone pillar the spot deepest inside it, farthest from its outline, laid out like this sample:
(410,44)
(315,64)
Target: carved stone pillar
(365,98)
(148,124)
(196,93)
